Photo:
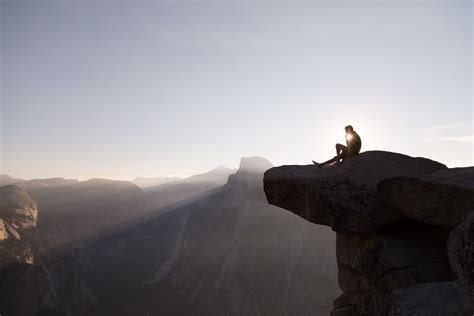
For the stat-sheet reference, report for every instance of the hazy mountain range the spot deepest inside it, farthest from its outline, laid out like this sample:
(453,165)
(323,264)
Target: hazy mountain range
(144,182)
(6,179)
(166,194)
(83,208)
(215,248)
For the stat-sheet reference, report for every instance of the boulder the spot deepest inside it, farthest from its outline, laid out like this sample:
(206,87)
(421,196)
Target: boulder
(343,196)
(461,252)
(443,198)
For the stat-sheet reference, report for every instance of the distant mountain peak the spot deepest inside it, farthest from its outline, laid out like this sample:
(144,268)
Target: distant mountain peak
(6,179)
(254,164)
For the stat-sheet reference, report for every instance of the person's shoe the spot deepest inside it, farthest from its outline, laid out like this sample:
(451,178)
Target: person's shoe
(316,164)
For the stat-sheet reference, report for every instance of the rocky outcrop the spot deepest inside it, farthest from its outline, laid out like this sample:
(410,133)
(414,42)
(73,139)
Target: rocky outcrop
(392,214)
(18,213)
(343,197)
(17,208)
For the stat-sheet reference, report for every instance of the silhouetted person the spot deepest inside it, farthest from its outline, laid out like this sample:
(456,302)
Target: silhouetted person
(353,142)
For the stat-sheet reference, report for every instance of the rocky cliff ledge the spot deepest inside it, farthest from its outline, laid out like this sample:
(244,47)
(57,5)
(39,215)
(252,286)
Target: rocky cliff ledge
(405,239)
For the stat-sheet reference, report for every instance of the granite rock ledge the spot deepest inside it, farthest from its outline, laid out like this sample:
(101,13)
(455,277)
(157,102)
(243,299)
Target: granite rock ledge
(393,215)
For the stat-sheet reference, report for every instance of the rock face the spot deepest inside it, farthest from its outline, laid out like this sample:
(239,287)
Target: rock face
(428,198)
(393,215)
(461,252)
(18,213)
(443,298)
(17,208)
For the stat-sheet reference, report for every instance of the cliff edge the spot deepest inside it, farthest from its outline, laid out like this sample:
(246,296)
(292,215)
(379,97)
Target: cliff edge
(404,230)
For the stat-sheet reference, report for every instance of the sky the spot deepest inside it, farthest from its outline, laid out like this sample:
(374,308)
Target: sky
(118,89)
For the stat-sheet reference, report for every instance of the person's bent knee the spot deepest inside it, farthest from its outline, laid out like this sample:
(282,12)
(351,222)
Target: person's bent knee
(339,146)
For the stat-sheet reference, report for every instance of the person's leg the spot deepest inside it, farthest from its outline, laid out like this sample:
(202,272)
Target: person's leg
(332,160)
(339,148)
(344,154)
(341,151)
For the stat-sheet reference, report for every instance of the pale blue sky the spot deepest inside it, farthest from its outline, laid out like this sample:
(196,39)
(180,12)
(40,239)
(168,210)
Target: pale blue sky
(115,90)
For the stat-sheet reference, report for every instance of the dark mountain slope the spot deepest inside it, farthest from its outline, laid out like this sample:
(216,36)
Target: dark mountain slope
(31,279)
(229,253)
(86,208)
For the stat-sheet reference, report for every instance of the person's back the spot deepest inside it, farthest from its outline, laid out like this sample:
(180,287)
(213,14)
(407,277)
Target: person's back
(354,144)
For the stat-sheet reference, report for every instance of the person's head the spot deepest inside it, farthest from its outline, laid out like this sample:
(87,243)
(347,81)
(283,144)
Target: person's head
(349,129)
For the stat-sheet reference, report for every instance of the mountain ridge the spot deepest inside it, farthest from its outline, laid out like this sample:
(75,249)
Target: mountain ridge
(228,252)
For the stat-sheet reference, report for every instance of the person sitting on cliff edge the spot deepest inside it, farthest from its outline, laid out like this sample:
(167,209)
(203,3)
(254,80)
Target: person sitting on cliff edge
(354,143)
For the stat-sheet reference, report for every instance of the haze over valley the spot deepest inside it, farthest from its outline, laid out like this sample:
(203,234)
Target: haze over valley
(236,158)
(217,248)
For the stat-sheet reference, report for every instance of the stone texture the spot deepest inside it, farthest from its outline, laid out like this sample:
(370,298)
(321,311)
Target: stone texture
(402,255)
(443,198)
(343,196)
(343,311)
(3,231)
(443,298)
(361,303)
(461,252)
